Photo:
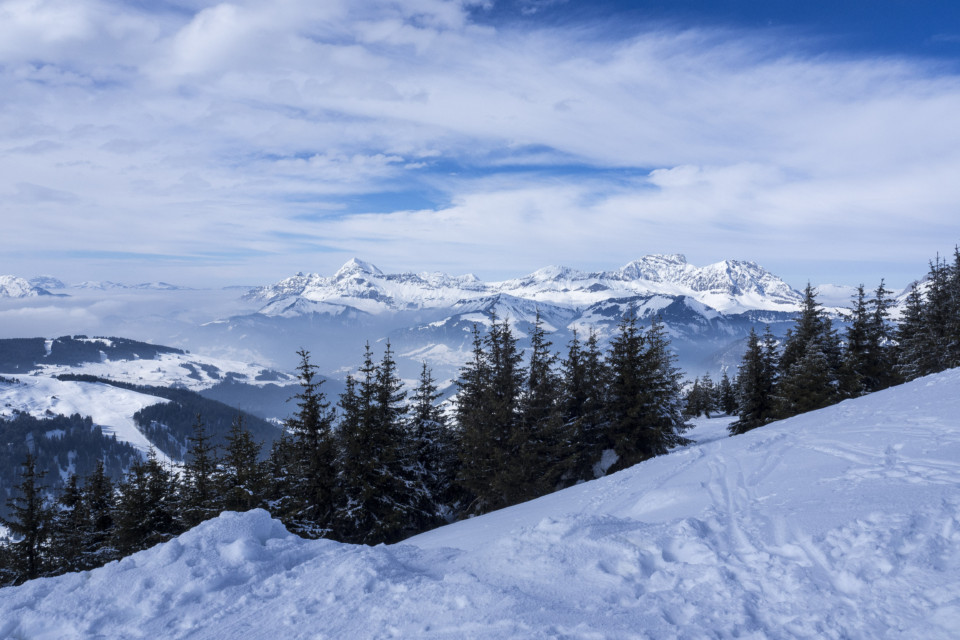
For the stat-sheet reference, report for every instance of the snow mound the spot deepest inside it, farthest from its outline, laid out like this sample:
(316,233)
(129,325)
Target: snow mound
(841,523)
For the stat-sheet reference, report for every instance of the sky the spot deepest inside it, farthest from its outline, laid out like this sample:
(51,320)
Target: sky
(238,143)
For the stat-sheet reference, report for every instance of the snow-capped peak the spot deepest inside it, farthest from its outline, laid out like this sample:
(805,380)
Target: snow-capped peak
(14,287)
(355,265)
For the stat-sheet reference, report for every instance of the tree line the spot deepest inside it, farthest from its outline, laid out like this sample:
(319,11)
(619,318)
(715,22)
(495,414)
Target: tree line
(382,464)
(814,366)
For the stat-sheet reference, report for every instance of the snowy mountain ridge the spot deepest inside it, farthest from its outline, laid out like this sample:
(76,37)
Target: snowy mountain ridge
(15,287)
(728,286)
(839,523)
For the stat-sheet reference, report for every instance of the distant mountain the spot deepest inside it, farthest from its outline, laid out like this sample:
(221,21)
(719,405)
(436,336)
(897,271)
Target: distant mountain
(14,287)
(708,311)
(106,285)
(731,286)
(47,282)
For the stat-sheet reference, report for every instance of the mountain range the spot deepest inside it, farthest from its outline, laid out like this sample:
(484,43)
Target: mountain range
(429,317)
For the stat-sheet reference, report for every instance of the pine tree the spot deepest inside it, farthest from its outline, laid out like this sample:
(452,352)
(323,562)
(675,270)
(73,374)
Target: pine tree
(241,478)
(912,356)
(857,348)
(200,500)
(727,395)
(937,317)
(542,447)
(70,529)
(755,382)
(383,499)
(433,450)
(645,397)
(585,379)
(29,522)
(312,473)
(880,368)
(808,379)
(487,415)
(147,507)
(99,504)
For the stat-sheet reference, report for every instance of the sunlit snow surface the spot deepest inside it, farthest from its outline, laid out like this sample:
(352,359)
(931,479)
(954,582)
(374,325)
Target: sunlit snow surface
(843,523)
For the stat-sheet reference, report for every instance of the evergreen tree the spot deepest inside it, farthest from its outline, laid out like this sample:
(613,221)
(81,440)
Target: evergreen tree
(30,524)
(488,414)
(952,328)
(727,395)
(585,382)
(937,317)
(433,450)
(475,447)
(755,382)
(312,472)
(857,349)
(383,500)
(99,504)
(879,370)
(200,500)
(542,452)
(70,529)
(645,398)
(912,357)
(241,478)
(808,379)
(147,507)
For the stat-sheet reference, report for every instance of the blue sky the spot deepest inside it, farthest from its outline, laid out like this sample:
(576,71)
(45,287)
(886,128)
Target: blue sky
(206,143)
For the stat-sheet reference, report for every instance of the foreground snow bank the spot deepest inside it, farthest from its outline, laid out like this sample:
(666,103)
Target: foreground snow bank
(843,523)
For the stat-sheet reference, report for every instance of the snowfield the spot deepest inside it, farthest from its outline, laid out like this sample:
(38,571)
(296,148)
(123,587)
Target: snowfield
(841,523)
(110,407)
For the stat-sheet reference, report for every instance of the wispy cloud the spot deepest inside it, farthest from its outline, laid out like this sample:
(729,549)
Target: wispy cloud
(260,129)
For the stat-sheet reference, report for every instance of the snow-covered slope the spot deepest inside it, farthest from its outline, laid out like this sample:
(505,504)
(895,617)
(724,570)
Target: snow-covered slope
(841,523)
(14,287)
(109,407)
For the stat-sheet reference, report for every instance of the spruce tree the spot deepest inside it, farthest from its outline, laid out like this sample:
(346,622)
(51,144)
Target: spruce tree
(241,477)
(201,501)
(727,395)
(99,504)
(433,450)
(880,368)
(645,397)
(542,446)
(755,382)
(70,529)
(487,415)
(857,350)
(30,524)
(147,507)
(912,356)
(383,500)
(585,379)
(808,380)
(312,472)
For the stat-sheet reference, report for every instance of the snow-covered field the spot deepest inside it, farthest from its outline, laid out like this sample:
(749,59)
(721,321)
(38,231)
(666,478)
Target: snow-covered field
(110,407)
(842,523)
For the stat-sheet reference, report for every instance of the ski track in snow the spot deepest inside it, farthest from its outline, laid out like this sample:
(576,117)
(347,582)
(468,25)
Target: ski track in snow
(842,523)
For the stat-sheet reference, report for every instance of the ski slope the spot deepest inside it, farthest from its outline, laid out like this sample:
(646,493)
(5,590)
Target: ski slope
(841,523)
(110,407)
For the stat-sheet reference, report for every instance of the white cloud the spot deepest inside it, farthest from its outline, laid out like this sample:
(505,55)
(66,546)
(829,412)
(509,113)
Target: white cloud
(246,124)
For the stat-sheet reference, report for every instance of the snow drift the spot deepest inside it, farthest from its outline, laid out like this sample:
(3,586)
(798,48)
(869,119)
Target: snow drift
(841,523)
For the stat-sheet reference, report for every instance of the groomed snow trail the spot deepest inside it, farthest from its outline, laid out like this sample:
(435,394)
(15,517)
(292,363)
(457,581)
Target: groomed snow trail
(842,523)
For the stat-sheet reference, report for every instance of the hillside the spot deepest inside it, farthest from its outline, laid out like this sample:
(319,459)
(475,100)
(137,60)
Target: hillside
(840,523)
